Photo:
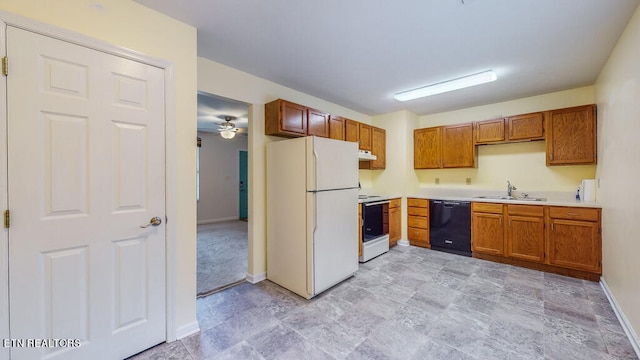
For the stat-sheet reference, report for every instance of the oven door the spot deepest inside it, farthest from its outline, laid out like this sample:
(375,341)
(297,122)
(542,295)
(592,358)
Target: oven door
(373,220)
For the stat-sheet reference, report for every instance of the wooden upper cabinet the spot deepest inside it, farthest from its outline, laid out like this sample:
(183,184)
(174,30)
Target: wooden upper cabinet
(336,127)
(525,127)
(364,136)
(378,148)
(489,131)
(284,118)
(458,149)
(427,148)
(317,123)
(571,135)
(351,130)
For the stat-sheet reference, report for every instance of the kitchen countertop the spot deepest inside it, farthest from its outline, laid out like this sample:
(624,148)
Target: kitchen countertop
(373,198)
(554,198)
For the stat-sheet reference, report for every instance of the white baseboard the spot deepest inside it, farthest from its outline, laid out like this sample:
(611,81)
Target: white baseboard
(403,242)
(254,279)
(213,221)
(622,318)
(186,330)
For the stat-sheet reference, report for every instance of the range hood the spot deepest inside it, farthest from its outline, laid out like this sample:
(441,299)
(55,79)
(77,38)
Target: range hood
(366,155)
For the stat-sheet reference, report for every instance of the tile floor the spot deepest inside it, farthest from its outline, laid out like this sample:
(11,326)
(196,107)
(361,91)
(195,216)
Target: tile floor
(411,303)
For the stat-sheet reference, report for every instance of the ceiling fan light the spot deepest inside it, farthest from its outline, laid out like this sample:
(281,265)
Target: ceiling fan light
(449,85)
(227,134)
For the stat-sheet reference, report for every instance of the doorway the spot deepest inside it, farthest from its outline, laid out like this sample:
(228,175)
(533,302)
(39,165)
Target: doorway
(222,243)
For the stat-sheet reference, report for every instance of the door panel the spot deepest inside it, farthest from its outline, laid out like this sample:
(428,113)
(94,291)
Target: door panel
(85,170)
(335,237)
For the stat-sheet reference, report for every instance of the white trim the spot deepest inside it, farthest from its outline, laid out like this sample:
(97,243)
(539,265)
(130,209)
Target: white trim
(170,140)
(622,318)
(403,242)
(254,279)
(186,330)
(211,221)
(4,237)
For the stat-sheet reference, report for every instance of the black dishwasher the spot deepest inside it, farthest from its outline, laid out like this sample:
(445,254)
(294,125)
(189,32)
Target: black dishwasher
(450,226)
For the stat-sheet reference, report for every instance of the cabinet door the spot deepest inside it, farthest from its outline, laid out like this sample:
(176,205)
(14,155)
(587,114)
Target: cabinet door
(427,149)
(458,149)
(336,127)
(283,118)
(365,136)
(487,233)
(293,118)
(525,127)
(394,225)
(571,136)
(575,244)
(317,123)
(490,131)
(351,130)
(378,148)
(525,238)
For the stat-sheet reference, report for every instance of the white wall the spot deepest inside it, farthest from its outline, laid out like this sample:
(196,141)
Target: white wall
(130,25)
(618,99)
(217,79)
(219,177)
(522,163)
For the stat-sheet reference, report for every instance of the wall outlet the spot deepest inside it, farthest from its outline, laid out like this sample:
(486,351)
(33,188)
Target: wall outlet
(437,181)
(468,181)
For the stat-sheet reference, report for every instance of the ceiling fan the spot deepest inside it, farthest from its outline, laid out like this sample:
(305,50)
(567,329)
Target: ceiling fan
(228,129)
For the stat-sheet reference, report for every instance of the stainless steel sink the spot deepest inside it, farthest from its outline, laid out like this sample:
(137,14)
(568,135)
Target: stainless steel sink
(497,197)
(513,198)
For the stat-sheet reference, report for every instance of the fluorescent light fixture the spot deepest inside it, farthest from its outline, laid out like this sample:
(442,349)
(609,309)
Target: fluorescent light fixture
(446,86)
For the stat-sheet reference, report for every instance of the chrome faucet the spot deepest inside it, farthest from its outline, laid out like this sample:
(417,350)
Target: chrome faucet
(510,188)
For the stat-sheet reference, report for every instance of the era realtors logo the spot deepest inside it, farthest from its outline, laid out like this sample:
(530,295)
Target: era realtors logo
(41,343)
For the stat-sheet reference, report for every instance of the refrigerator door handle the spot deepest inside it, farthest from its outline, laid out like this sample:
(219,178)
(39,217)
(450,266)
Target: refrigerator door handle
(315,171)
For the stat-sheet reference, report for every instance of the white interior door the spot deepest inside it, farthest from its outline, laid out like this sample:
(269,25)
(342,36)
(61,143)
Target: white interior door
(85,171)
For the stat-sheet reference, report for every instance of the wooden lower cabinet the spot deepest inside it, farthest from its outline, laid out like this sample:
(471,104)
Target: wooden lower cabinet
(487,228)
(395,221)
(563,240)
(525,232)
(418,222)
(575,239)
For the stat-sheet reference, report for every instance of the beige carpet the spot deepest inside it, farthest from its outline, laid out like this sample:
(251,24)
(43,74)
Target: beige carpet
(222,254)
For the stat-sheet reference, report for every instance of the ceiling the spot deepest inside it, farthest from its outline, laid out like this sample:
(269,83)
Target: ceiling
(212,111)
(359,53)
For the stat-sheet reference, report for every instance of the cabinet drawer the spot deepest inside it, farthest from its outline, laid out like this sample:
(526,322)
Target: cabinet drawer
(587,214)
(394,203)
(421,222)
(418,234)
(417,211)
(418,202)
(526,210)
(487,207)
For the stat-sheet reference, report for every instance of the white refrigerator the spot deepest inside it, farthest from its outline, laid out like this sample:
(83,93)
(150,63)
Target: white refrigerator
(312,213)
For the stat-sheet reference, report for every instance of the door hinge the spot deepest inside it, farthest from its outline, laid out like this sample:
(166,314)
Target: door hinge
(5,66)
(7,219)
